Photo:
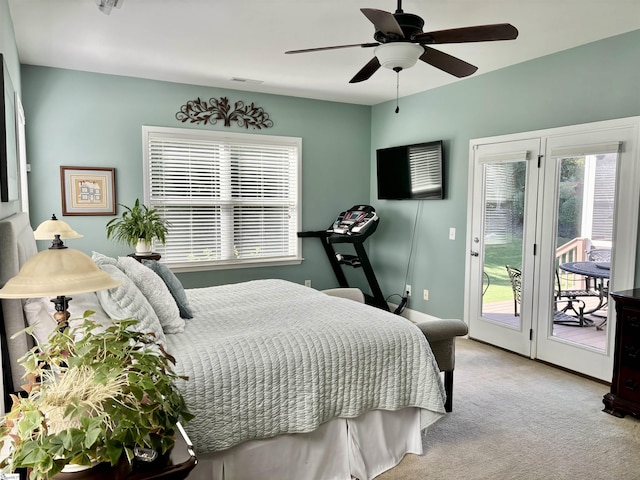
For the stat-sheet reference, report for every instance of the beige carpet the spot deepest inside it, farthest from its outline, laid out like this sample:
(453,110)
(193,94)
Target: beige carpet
(514,418)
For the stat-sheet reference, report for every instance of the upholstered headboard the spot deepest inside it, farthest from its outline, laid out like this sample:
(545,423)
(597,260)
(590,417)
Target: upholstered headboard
(17,245)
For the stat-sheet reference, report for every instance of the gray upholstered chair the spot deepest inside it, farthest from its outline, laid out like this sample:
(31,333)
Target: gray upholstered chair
(441,335)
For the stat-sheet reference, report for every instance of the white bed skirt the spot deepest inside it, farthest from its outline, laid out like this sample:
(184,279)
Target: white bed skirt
(340,449)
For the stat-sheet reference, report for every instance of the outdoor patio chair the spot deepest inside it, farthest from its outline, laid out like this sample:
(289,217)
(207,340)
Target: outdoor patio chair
(599,255)
(560,316)
(515,276)
(570,295)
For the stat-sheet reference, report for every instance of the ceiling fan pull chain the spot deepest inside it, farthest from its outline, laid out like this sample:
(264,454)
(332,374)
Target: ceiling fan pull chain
(397,88)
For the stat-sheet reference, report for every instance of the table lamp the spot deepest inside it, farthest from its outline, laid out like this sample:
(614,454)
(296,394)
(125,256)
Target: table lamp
(48,229)
(57,272)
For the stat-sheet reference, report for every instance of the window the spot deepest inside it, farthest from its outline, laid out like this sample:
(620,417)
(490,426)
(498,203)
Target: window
(231,199)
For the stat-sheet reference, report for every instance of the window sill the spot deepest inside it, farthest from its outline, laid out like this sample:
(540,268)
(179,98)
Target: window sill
(203,267)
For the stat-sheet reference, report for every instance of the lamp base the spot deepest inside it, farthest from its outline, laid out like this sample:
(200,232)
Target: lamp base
(62,313)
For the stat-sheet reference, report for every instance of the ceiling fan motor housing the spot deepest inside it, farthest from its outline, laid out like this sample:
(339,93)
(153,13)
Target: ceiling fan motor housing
(409,23)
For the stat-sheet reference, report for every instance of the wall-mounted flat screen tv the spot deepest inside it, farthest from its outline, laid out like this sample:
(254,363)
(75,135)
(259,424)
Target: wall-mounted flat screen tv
(411,172)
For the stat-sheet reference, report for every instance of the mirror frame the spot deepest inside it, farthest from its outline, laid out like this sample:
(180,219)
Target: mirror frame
(8,138)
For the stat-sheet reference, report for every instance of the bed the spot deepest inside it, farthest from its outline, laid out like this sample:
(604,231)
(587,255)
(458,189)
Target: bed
(284,381)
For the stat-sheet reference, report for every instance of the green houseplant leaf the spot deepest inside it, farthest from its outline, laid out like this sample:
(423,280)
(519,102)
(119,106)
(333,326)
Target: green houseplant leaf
(94,394)
(138,222)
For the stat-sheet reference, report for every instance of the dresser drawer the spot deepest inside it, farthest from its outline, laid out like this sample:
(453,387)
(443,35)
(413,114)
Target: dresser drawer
(629,384)
(630,355)
(629,320)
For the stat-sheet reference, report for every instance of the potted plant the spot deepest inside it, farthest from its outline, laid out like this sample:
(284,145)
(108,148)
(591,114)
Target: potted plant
(139,226)
(95,394)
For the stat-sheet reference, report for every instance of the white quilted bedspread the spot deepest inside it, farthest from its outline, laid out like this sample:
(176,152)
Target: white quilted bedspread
(268,357)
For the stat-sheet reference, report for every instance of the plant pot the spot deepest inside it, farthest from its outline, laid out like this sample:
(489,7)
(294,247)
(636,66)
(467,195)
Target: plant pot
(143,247)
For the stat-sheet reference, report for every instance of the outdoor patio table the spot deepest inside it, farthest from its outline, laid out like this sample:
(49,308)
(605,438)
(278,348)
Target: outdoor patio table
(599,271)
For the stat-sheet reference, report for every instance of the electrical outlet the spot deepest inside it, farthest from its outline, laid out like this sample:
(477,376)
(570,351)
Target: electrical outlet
(425,295)
(407,290)
(307,283)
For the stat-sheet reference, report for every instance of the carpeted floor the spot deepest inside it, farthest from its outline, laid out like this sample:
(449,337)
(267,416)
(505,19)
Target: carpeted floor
(514,418)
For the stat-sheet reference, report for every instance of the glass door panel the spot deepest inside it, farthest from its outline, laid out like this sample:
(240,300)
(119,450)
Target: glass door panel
(503,235)
(584,246)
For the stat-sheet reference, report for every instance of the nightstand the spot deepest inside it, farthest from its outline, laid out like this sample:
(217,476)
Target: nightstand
(148,256)
(624,397)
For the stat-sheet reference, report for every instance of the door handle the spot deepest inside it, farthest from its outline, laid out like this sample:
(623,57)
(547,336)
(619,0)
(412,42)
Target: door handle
(474,254)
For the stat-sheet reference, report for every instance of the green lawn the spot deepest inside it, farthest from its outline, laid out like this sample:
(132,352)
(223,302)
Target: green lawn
(496,257)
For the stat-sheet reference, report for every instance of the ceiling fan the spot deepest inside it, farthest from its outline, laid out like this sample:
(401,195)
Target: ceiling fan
(400,43)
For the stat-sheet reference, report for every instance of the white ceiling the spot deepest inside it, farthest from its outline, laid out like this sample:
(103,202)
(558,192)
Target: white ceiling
(209,42)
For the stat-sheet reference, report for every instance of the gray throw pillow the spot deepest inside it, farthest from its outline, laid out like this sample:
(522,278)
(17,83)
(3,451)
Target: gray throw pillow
(156,292)
(127,301)
(174,285)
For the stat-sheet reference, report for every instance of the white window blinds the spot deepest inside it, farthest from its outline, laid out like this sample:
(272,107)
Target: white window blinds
(230,199)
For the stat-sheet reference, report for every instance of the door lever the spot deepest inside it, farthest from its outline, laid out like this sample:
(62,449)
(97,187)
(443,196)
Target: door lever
(474,254)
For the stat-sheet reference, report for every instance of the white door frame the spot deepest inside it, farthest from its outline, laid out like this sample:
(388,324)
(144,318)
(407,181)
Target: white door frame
(625,224)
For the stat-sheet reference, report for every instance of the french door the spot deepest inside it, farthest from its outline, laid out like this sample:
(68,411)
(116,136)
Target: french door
(505,183)
(542,201)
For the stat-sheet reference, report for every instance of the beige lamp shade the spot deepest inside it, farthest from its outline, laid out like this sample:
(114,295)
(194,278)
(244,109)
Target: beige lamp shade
(48,229)
(57,272)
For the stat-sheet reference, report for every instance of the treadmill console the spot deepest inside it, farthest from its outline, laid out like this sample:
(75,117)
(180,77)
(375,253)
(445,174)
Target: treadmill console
(357,220)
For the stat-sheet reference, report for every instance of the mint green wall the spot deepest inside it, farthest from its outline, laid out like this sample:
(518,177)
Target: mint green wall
(594,82)
(79,118)
(86,119)
(9,50)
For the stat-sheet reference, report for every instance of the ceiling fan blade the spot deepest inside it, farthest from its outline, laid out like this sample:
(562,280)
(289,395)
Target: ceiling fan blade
(366,71)
(384,22)
(447,63)
(319,49)
(479,33)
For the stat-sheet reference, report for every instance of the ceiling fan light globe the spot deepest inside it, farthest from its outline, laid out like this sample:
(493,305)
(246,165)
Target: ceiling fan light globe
(398,55)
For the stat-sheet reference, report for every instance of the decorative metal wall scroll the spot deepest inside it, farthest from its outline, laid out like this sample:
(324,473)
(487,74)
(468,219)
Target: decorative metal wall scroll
(199,111)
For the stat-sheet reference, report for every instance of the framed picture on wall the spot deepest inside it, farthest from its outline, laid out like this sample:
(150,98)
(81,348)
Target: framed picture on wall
(88,190)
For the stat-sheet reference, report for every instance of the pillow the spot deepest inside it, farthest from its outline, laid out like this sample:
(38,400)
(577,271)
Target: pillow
(156,292)
(39,318)
(174,285)
(101,259)
(127,301)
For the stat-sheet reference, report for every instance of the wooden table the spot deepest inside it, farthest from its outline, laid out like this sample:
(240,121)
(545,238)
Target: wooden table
(182,460)
(148,256)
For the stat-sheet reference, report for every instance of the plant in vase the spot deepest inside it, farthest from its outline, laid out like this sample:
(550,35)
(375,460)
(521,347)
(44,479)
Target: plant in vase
(94,394)
(138,226)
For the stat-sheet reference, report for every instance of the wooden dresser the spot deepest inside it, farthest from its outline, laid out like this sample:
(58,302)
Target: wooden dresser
(624,397)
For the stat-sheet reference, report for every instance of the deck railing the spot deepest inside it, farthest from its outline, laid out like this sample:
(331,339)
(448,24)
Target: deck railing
(572,251)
